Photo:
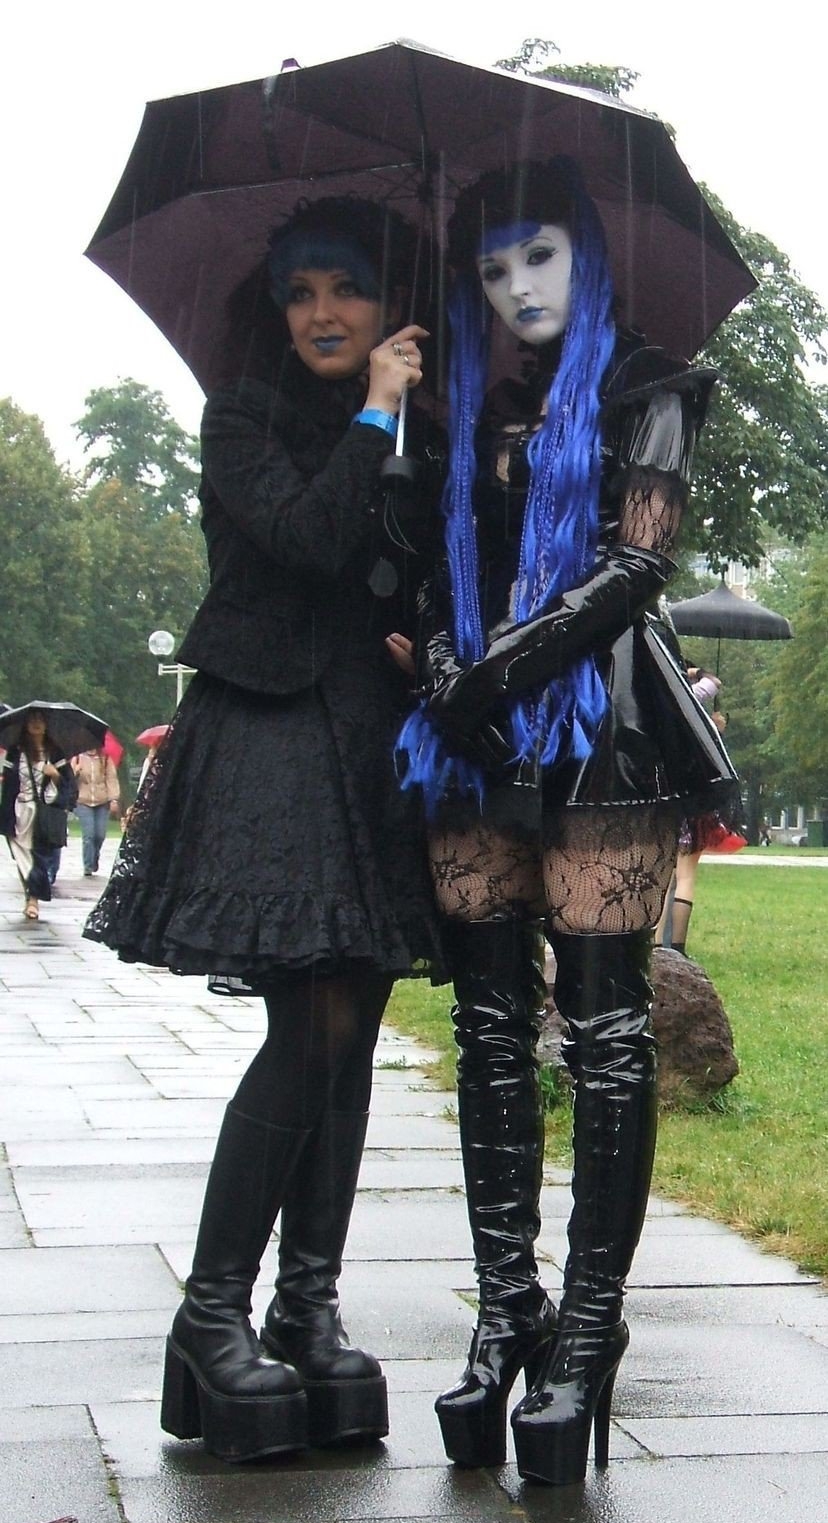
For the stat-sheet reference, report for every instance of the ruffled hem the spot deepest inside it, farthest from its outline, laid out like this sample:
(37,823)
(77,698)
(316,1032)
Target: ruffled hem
(255,938)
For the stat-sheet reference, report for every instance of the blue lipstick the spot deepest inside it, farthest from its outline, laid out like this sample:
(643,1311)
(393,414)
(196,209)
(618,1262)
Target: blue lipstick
(328,345)
(529,314)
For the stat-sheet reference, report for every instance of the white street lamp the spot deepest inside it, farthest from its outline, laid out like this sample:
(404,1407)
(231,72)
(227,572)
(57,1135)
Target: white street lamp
(162,643)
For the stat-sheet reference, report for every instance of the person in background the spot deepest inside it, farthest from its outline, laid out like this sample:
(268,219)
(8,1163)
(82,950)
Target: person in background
(34,770)
(697,835)
(98,793)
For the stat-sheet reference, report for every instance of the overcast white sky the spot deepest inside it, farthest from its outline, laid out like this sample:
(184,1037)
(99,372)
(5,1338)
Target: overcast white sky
(743,86)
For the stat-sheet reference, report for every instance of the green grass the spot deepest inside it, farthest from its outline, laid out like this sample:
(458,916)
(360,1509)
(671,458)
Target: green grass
(758,1158)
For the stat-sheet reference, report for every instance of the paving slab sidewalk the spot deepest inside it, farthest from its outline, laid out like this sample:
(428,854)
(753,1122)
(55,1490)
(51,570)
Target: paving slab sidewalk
(115,1079)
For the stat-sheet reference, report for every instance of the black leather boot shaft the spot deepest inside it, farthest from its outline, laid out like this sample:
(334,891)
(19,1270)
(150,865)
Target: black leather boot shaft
(344,1385)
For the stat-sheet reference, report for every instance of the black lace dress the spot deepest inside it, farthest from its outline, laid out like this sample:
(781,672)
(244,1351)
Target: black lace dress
(270,835)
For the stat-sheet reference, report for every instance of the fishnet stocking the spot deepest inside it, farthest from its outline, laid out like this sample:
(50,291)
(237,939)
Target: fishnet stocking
(651,510)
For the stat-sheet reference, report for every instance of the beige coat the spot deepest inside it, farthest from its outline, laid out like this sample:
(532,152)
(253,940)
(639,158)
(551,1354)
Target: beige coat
(97,778)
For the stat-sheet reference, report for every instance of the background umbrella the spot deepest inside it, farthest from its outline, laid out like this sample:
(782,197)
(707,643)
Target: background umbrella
(211,172)
(112,747)
(71,728)
(721,615)
(153,736)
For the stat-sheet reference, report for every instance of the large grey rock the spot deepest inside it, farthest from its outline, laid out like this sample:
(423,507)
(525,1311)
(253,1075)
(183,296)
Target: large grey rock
(695,1041)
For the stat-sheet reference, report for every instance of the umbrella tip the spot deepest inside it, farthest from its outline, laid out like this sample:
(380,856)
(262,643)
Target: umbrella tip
(288,64)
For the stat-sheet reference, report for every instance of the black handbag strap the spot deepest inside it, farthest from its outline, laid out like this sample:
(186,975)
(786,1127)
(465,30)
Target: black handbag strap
(41,797)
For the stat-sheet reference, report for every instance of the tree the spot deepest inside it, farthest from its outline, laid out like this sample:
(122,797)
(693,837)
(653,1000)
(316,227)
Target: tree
(145,571)
(43,569)
(135,440)
(800,686)
(611,79)
(760,465)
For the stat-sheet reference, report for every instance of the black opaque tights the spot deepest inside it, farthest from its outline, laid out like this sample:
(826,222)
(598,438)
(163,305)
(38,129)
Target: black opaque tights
(317,1055)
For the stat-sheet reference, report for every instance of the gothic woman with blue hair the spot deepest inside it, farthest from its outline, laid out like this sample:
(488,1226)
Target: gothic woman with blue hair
(557,748)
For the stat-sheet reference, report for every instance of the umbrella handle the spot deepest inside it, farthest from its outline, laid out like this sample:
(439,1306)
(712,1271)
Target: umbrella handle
(399,466)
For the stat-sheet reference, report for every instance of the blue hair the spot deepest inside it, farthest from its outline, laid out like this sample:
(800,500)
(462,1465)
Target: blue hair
(560,528)
(320,249)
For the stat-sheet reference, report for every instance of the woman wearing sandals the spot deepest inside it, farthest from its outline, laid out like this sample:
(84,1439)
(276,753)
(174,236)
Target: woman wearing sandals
(269,842)
(558,749)
(36,770)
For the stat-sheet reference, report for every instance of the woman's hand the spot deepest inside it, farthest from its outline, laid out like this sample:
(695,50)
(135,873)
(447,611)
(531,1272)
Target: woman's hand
(395,366)
(50,770)
(402,651)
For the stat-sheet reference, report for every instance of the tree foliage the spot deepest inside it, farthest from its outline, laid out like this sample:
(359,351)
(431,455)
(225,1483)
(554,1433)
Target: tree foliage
(131,437)
(531,58)
(89,569)
(43,565)
(760,465)
(799,691)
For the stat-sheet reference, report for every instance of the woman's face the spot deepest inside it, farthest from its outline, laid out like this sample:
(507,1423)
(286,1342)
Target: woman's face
(529,283)
(332,326)
(36,725)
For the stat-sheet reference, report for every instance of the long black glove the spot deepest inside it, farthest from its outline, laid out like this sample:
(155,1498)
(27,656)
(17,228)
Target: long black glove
(484,743)
(531,655)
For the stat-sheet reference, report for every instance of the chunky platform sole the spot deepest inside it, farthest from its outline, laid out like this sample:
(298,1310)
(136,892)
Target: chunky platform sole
(234,1428)
(346,1409)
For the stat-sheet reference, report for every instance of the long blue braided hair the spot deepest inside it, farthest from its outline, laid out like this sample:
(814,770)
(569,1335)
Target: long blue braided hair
(560,525)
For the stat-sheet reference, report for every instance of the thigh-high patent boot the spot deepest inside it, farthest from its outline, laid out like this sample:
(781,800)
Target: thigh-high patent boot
(497,968)
(603,992)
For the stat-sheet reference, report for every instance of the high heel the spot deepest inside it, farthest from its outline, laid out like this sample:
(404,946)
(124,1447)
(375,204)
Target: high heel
(553,1423)
(472,1415)
(497,968)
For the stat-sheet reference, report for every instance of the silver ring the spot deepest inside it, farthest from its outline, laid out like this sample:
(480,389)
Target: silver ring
(404,358)
(399,351)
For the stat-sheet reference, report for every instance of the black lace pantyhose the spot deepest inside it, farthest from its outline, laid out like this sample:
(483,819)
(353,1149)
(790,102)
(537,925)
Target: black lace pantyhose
(601,871)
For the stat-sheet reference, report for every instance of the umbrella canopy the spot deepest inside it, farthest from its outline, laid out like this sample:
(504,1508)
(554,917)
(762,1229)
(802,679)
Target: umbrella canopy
(153,736)
(722,615)
(210,173)
(112,747)
(71,728)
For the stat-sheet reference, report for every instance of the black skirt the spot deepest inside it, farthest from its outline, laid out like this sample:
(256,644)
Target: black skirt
(271,838)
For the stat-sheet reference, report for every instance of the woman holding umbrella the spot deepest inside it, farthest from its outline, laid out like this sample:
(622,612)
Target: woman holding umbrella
(35,772)
(269,841)
(558,748)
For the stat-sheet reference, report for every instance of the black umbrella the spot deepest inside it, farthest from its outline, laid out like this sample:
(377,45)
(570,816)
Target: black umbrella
(71,728)
(722,615)
(211,172)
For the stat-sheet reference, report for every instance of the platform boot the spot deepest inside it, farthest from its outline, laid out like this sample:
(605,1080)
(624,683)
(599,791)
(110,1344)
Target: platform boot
(345,1387)
(603,992)
(218,1384)
(498,971)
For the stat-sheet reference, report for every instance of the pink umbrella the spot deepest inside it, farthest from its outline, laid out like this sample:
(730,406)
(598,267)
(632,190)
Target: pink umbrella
(153,736)
(112,747)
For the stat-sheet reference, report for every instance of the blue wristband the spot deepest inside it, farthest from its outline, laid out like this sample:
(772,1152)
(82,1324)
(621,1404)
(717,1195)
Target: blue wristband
(379,419)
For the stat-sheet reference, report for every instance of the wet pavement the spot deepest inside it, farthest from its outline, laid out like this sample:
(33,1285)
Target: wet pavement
(115,1080)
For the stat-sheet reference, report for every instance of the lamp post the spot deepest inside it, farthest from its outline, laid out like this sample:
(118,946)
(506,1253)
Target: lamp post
(162,643)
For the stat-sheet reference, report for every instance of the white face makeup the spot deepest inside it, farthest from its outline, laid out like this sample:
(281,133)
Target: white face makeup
(529,283)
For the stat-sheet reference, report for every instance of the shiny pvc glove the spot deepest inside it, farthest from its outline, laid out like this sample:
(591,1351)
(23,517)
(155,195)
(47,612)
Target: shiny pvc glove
(530,655)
